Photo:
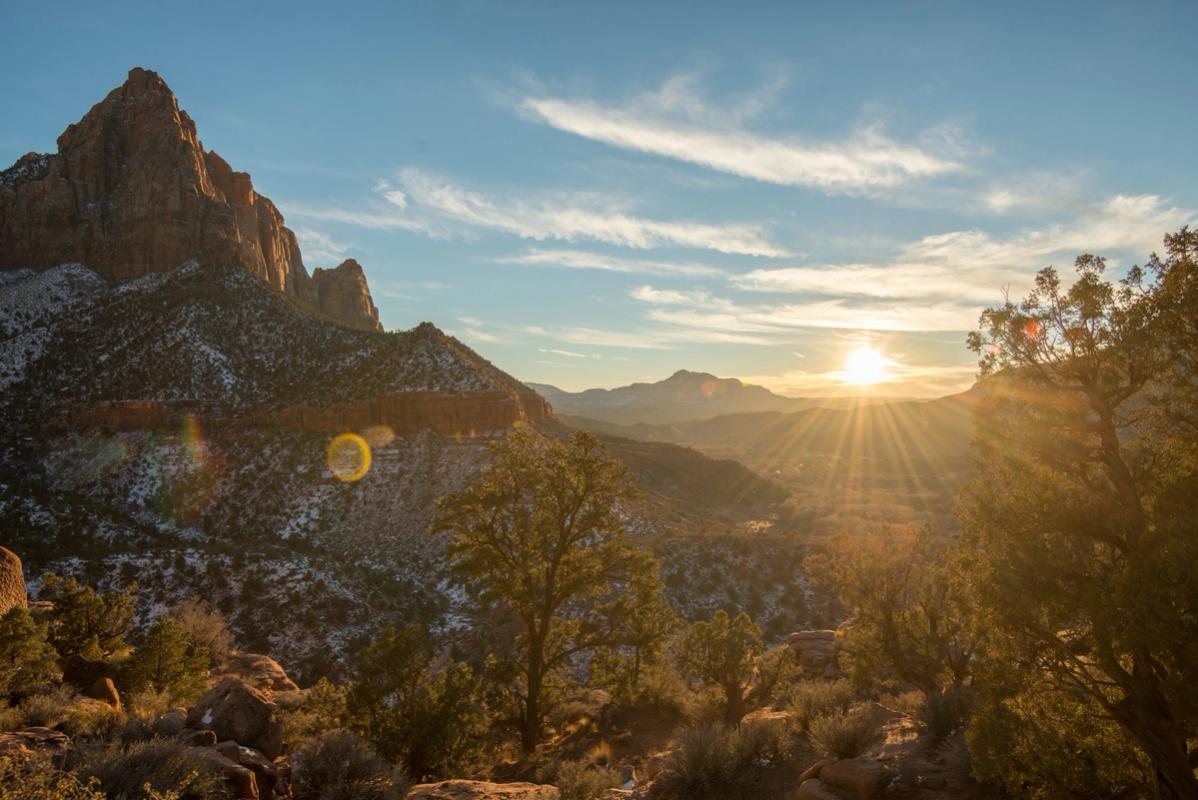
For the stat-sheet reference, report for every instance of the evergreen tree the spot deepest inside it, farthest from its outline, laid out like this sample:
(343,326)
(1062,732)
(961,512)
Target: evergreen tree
(26,657)
(724,652)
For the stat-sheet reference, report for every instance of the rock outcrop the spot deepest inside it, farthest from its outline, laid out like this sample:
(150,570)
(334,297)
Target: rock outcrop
(132,191)
(262,672)
(815,651)
(482,790)
(343,294)
(234,710)
(12,582)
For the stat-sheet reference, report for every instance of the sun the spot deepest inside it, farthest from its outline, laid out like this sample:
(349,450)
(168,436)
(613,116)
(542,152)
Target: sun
(864,366)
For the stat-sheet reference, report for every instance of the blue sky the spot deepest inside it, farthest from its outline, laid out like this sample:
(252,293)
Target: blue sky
(592,194)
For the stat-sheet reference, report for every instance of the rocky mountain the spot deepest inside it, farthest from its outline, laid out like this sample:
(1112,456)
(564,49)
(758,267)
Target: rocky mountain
(682,397)
(132,191)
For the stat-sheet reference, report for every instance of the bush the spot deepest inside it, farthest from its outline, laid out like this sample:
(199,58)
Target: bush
(579,780)
(168,661)
(308,714)
(206,629)
(718,763)
(38,779)
(844,734)
(167,767)
(92,719)
(812,699)
(86,624)
(46,709)
(342,766)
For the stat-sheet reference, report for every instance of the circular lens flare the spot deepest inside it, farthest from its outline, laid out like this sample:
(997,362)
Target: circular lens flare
(348,457)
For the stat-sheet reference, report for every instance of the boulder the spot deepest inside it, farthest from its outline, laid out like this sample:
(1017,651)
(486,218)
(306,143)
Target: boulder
(200,739)
(261,672)
(104,690)
(12,582)
(264,770)
(482,790)
(814,789)
(861,780)
(655,765)
(235,710)
(241,780)
(815,650)
(171,723)
(814,770)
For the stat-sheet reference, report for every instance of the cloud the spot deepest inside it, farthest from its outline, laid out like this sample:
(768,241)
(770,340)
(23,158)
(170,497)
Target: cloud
(941,282)
(558,352)
(320,247)
(676,122)
(580,259)
(380,220)
(903,379)
(574,217)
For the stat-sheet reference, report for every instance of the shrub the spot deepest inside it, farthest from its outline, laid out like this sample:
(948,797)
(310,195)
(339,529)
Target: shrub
(580,780)
(167,767)
(46,709)
(310,713)
(86,624)
(844,734)
(811,699)
(717,763)
(167,661)
(38,779)
(342,766)
(206,629)
(92,719)
(26,657)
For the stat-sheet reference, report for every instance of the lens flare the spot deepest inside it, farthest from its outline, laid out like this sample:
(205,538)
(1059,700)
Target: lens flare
(348,457)
(379,435)
(864,366)
(193,441)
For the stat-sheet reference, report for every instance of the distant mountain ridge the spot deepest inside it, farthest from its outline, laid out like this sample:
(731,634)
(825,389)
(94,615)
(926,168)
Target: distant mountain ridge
(132,191)
(685,396)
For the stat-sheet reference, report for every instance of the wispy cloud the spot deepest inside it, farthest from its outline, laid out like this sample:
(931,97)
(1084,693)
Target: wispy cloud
(320,247)
(678,122)
(384,219)
(581,259)
(559,352)
(570,217)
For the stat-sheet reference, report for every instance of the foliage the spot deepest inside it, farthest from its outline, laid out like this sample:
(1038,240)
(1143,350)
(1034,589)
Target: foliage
(541,534)
(26,657)
(723,652)
(909,616)
(844,734)
(206,629)
(136,771)
(320,709)
(1080,518)
(38,779)
(811,699)
(167,660)
(86,624)
(46,709)
(340,766)
(624,667)
(579,780)
(721,763)
(1041,742)
(429,717)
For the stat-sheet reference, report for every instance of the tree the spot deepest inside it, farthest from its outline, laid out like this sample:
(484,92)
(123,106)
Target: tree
(724,652)
(1080,517)
(648,624)
(168,661)
(85,624)
(26,658)
(206,629)
(908,615)
(413,707)
(541,533)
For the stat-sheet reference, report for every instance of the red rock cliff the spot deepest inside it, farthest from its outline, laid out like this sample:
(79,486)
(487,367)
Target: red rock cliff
(132,191)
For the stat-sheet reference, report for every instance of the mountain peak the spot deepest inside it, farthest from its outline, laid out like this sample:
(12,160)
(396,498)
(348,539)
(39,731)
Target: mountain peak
(132,191)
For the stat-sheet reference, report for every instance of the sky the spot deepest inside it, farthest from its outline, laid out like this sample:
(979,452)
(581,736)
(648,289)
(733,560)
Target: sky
(591,194)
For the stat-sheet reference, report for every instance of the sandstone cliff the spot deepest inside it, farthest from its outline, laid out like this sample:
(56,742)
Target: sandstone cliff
(132,191)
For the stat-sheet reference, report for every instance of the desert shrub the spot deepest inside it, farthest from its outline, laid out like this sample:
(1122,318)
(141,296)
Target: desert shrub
(206,629)
(149,704)
(46,709)
(844,734)
(664,687)
(166,767)
(38,779)
(26,657)
(92,719)
(811,699)
(341,766)
(717,763)
(580,780)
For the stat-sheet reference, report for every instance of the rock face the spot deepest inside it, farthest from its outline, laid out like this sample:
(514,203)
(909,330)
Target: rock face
(132,191)
(261,672)
(12,582)
(234,710)
(104,690)
(815,651)
(342,293)
(483,790)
